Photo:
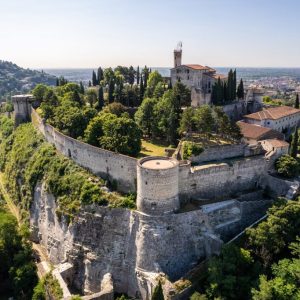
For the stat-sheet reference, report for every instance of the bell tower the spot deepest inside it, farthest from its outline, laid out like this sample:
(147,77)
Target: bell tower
(178,55)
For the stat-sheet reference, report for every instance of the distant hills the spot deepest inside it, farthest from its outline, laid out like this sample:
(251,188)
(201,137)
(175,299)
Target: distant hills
(16,80)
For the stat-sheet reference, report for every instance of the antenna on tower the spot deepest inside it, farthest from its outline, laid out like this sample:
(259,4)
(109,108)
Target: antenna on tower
(179,46)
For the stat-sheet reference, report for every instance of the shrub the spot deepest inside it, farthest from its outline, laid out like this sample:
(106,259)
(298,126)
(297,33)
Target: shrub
(190,148)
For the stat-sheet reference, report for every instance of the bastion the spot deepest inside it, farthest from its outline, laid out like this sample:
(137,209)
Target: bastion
(157,185)
(22,108)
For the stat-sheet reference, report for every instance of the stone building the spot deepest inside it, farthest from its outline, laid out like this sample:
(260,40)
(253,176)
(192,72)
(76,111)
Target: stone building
(281,118)
(198,78)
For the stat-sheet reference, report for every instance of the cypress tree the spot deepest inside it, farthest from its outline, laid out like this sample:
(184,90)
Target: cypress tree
(57,82)
(90,84)
(94,79)
(131,75)
(138,75)
(158,293)
(294,143)
(142,90)
(111,89)
(170,85)
(297,101)
(81,88)
(240,90)
(234,85)
(230,85)
(225,95)
(99,75)
(100,98)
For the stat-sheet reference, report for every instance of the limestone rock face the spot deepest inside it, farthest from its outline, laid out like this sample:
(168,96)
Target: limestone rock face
(130,245)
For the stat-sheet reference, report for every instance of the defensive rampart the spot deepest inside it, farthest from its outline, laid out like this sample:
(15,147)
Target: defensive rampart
(117,168)
(221,180)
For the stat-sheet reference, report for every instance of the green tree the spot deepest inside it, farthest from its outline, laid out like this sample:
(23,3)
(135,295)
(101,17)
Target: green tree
(100,75)
(271,238)
(100,98)
(168,114)
(81,90)
(111,89)
(131,74)
(138,75)
(91,96)
(39,91)
(145,116)
(182,93)
(154,79)
(294,143)
(121,135)
(232,274)
(240,90)
(187,122)
(94,78)
(142,89)
(204,120)
(115,108)
(158,293)
(297,101)
(287,166)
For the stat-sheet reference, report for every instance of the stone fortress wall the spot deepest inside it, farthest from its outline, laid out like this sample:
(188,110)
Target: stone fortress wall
(107,164)
(135,246)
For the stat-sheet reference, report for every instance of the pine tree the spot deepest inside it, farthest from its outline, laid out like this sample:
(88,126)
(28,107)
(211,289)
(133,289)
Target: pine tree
(81,88)
(297,101)
(100,98)
(94,79)
(138,75)
(158,293)
(294,143)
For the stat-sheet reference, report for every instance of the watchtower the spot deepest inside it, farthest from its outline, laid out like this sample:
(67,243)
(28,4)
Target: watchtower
(178,55)
(157,185)
(22,108)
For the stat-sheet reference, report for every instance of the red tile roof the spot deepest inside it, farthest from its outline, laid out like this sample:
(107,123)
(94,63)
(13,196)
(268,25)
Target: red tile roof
(252,131)
(273,113)
(197,67)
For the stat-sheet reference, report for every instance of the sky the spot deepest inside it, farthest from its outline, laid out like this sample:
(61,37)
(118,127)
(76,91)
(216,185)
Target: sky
(92,33)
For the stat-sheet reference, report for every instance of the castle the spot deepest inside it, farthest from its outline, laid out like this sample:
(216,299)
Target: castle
(200,79)
(184,213)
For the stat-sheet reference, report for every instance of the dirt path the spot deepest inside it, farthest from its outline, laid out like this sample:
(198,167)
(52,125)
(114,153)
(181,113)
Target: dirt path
(43,263)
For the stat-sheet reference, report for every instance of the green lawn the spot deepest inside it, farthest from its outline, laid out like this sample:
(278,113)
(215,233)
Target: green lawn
(152,149)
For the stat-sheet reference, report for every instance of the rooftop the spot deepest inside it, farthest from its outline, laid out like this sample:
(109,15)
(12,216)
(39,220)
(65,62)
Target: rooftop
(158,164)
(273,113)
(278,143)
(252,131)
(198,67)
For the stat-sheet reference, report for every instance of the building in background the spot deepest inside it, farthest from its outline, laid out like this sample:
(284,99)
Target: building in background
(281,118)
(199,79)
